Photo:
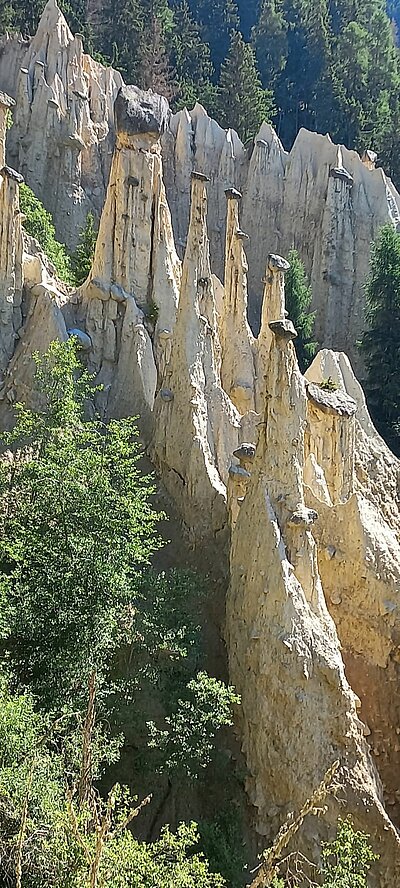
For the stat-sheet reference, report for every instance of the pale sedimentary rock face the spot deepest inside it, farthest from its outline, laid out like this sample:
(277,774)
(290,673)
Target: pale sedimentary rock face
(288,483)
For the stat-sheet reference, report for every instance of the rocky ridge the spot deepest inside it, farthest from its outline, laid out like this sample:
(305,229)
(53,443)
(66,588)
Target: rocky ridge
(264,466)
(320,198)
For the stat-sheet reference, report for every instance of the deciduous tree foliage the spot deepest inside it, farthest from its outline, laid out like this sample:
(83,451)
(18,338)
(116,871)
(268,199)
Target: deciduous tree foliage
(76,523)
(77,529)
(39,224)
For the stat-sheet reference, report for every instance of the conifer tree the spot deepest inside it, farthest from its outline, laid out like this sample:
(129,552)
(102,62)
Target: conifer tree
(300,89)
(6,16)
(154,67)
(349,78)
(217,19)
(83,257)
(27,15)
(242,103)
(191,61)
(79,17)
(298,300)
(381,341)
(122,33)
(269,38)
(393,8)
(365,80)
(249,11)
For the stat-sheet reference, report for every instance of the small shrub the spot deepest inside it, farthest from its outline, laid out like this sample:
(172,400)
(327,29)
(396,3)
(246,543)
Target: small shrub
(186,744)
(328,385)
(152,313)
(83,257)
(39,224)
(347,860)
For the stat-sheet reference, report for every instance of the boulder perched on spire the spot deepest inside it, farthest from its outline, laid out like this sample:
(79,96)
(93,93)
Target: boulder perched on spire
(138,111)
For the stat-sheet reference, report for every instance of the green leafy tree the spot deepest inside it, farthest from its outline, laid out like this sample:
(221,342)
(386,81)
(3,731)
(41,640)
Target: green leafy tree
(185,745)
(83,256)
(298,300)
(39,224)
(79,526)
(381,340)
(224,846)
(169,861)
(78,599)
(242,103)
(347,860)
(54,838)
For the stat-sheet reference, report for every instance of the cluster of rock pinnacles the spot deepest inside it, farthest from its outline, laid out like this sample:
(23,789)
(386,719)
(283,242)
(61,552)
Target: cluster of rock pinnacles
(287,484)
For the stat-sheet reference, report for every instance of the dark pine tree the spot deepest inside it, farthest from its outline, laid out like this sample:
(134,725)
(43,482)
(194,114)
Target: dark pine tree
(77,14)
(393,10)
(249,11)
(364,74)
(27,15)
(121,36)
(6,16)
(191,61)
(381,341)
(300,88)
(242,103)
(269,38)
(155,71)
(217,19)
(298,300)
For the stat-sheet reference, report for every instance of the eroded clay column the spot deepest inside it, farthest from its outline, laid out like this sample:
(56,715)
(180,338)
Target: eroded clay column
(124,248)
(273,309)
(6,103)
(237,341)
(135,253)
(196,425)
(10,263)
(330,439)
(284,653)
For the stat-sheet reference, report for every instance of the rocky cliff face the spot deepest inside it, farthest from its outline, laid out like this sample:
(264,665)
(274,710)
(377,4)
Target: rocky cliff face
(320,198)
(62,139)
(288,485)
(284,652)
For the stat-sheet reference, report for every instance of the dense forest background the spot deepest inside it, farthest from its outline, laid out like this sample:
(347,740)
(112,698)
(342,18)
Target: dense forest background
(328,65)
